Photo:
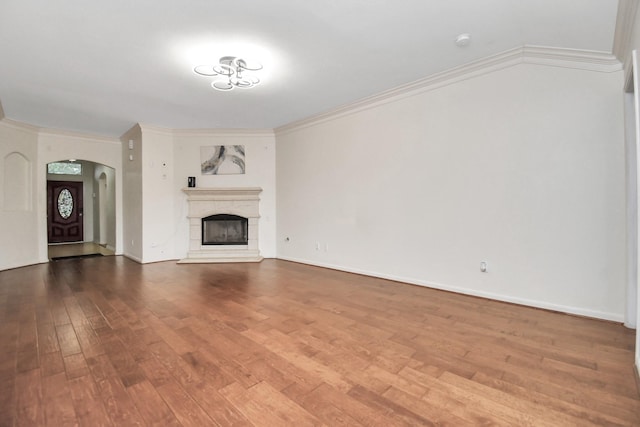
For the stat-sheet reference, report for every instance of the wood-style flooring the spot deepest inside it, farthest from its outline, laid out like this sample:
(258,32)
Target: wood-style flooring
(106,341)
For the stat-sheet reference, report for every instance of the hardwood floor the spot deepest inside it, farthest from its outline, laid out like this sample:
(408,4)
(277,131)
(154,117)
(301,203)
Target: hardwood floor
(106,341)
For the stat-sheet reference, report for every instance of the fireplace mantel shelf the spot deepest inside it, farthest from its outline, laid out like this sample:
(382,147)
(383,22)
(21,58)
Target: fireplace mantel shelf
(223,193)
(203,202)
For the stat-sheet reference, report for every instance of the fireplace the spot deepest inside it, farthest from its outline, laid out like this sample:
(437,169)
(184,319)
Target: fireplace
(225,229)
(223,224)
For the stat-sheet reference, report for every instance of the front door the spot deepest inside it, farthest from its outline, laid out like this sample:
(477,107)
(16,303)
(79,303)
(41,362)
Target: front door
(64,211)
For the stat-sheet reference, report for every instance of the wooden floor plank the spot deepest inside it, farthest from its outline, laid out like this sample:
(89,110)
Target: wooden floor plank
(581,414)
(47,338)
(86,400)
(106,341)
(58,406)
(119,405)
(51,364)
(29,399)
(151,406)
(263,405)
(183,406)
(219,409)
(67,339)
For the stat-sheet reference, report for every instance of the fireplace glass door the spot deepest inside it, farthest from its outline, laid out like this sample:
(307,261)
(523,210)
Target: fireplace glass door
(224,229)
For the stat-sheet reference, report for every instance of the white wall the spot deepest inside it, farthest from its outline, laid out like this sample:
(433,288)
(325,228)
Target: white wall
(132,193)
(18,224)
(260,172)
(522,168)
(158,222)
(110,200)
(628,39)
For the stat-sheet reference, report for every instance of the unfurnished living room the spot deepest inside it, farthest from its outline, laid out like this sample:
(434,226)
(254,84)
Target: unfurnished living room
(287,213)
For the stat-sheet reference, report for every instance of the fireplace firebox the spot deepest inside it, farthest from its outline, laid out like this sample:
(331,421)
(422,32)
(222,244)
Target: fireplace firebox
(225,229)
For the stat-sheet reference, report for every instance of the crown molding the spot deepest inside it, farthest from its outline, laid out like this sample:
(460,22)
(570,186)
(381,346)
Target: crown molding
(145,128)
(77,135)
(540,55)
(627,10)
(20,125)
(40,131)
(587,60)
(225,132)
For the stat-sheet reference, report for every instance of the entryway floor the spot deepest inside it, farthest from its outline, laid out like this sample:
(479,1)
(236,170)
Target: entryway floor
(72,249)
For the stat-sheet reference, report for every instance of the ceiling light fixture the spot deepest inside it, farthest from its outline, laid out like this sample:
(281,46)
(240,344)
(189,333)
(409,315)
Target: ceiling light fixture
(233,72)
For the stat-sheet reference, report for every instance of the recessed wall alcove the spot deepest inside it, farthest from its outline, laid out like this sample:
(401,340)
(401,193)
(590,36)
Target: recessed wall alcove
(17,170)
(230,202)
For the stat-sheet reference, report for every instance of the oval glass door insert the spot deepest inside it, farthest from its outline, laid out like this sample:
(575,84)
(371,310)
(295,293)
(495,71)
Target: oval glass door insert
(65,203)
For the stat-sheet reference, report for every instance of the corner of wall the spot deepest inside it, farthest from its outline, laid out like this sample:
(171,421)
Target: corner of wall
(131,192)
(623,37)
(135,130)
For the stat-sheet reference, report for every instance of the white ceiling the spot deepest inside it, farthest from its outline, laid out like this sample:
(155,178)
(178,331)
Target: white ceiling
(102,66)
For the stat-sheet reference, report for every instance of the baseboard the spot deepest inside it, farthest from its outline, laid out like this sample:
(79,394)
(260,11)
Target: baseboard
(468,291)
(637,371)
(29,264)
(133,258)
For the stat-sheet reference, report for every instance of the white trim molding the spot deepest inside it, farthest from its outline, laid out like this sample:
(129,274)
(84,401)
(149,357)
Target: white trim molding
(144,128)
(625,19)
(548,56)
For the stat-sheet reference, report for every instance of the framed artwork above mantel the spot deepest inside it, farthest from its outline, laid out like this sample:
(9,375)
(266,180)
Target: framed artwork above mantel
(222,160)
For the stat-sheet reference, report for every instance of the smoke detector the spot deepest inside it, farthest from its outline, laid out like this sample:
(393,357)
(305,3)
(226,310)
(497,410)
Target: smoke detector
(463,40)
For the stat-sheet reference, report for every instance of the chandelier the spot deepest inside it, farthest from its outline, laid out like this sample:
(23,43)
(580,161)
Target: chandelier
(231,72)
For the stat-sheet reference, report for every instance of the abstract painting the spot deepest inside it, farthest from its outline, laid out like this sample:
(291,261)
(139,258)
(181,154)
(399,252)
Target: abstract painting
(222,159)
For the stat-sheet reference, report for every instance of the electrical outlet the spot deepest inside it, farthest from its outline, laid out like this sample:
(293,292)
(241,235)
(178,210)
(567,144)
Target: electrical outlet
(317,246)
(483,266)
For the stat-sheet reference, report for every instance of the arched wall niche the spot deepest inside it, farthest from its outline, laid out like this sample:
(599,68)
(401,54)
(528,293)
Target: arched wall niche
(17,188)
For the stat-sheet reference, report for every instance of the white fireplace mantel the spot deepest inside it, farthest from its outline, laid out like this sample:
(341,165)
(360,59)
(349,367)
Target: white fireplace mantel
(203,202)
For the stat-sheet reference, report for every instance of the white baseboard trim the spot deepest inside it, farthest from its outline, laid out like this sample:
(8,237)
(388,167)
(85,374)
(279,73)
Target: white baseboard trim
(468,291)
(133,258)
(28,264)
(630,325)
